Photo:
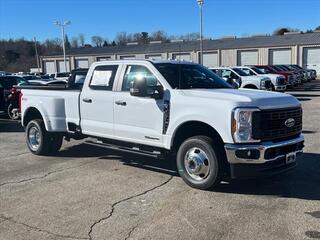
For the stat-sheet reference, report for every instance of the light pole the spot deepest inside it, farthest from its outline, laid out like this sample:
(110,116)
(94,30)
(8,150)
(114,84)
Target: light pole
(37,56)
(200,3)
(62,25)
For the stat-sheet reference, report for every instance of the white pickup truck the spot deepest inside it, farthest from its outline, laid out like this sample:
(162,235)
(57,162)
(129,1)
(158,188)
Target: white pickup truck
(169,108)
(233,74)
(278,81)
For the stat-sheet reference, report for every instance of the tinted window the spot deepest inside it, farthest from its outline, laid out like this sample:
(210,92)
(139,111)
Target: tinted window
(63,74)
(8,83)
(103,77)
(136,71)
(188,76)
(240,72)
(257,70)
(79,78)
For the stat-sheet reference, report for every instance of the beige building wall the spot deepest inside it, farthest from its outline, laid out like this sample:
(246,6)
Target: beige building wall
(228,57)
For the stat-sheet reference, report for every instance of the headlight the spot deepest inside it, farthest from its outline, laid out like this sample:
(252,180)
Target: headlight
(241,125)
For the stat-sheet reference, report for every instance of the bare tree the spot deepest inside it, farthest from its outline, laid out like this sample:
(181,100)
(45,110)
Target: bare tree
(159,36)
(123,38)
(81,39)
(283,30)
(74,42)
(97,41)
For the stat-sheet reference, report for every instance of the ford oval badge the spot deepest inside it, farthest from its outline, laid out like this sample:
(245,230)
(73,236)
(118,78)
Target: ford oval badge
(289,122)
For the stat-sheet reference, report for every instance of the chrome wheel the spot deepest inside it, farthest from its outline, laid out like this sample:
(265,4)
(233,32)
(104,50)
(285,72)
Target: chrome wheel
(34,138)
(197,164)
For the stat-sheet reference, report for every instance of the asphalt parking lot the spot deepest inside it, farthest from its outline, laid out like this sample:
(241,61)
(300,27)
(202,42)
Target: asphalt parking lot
(91,193)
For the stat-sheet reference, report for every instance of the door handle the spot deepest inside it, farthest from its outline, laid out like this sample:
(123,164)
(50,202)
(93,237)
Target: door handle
(87,100)
(122,103)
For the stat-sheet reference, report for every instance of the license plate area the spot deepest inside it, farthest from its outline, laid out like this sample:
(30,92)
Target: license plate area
(290,158)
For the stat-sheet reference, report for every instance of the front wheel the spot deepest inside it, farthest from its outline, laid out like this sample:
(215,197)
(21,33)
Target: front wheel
(198,163)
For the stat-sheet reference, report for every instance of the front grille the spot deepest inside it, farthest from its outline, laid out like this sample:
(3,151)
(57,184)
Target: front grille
(268,84)
(281,81)
(270,124)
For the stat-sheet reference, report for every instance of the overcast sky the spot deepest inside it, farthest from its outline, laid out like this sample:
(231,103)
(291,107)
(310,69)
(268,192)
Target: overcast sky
(34,18)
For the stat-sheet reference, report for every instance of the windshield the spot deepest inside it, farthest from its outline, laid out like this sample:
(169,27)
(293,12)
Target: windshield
(257,70)
(191,76)
(276,68)
(240,72)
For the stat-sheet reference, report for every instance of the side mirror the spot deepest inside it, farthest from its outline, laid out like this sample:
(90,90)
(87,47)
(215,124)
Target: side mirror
(140,88)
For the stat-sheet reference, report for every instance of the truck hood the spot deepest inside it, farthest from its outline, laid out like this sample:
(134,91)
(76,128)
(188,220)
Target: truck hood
(254,78)
(244,97)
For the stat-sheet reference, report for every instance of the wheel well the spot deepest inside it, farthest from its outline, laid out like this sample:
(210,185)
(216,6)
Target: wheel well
(251,86)
(193,128)
(32,113)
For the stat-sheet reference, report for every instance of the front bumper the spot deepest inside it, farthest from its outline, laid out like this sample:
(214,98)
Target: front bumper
(280,87)
(266,158)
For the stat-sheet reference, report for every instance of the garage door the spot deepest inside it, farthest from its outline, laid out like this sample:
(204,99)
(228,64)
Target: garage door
(154,56)
(210,59)
(247,58)
(128,57)
(82,63)
(49,67)
(61,67)
(311,59)
(99,59)
(280,56)
(182,56)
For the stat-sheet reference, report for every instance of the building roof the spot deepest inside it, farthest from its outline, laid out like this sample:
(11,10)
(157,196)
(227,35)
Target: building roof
(227,43)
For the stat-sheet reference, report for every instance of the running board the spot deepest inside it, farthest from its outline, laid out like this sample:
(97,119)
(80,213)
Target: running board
(134,150)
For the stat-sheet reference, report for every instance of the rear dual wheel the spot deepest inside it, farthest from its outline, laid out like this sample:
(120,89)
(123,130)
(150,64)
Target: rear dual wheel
(41,142)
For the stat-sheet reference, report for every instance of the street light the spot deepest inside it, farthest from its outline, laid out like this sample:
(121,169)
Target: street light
(62,25)
(200,3)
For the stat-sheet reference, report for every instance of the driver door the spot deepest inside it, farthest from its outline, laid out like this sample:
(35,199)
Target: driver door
(138,119)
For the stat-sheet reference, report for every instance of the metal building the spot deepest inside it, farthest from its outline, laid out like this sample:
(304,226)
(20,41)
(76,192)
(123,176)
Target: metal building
(292,48)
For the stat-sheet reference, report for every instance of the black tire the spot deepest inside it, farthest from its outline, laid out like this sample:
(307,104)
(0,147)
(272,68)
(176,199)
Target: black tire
(10,113)
(215,158)
(41,142)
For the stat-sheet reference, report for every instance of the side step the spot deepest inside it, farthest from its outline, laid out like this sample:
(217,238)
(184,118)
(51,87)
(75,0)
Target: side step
(134,150)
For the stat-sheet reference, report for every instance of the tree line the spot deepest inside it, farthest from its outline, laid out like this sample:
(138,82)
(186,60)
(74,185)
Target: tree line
(19,54)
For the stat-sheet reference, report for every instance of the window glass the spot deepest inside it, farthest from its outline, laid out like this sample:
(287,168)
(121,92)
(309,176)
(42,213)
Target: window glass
(136,71)
(240,72)
(189,76)
(79,78)
(103,77)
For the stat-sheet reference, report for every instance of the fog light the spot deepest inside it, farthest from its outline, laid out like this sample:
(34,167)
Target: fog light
(248,154)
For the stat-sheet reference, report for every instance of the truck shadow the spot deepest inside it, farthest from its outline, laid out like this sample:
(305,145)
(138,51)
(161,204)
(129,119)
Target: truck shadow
(8,125)
(300,182)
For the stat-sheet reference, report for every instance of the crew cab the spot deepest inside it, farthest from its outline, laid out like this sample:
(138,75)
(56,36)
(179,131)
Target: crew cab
(171,109)
(278,81)
(244,80)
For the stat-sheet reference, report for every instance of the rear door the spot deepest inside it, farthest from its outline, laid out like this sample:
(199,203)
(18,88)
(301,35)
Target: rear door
(97,101)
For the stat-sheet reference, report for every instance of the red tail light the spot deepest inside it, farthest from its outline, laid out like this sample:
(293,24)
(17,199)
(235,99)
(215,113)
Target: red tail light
(20,101)
(13,90)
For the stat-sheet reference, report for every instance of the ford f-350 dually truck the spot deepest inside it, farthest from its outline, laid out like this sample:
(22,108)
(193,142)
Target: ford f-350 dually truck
(169,108)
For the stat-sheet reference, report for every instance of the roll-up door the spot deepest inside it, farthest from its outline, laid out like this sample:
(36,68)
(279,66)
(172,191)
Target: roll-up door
(280,56)
(210,59)
(49,67)
(82,63)
(61,67)
(182,56)
(247,57)
(311,58)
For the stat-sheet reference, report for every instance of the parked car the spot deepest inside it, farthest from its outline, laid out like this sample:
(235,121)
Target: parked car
(312,74)
(10,95)
(278,81)
(302,77)
(290,77)
(247,81)
(161,108)
(62,76)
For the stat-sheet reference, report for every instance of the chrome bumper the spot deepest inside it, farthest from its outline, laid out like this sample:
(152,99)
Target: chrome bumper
(280,87)
(232,151)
